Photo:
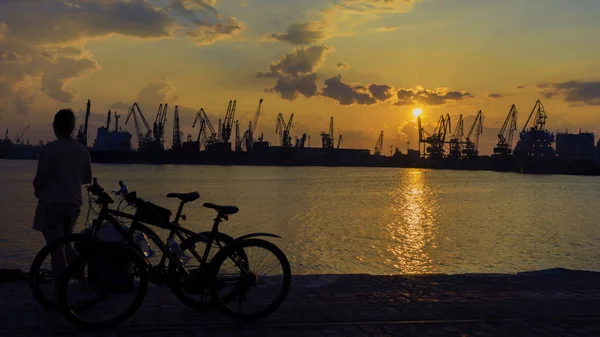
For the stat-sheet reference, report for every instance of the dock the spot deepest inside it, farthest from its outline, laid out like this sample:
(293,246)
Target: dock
(555,302)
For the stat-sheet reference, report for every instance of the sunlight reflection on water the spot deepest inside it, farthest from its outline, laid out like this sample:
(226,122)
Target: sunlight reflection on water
(359,220)
(413,224)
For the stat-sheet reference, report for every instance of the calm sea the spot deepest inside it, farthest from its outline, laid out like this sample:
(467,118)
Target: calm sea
(359,220)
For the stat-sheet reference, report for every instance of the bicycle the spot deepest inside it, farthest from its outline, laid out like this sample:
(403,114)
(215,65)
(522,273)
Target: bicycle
(177,277)
(38,276)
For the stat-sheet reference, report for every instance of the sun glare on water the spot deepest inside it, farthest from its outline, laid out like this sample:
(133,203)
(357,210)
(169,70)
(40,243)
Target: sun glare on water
(417,112)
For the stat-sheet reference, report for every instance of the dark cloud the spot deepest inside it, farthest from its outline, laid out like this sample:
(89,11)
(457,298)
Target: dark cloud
(342,65)
(347,94)
(576,92)
(495,96)
(295,72)
(521,86)
(381,92)
(429,97)
(289,87)
(299,34)
(51,22)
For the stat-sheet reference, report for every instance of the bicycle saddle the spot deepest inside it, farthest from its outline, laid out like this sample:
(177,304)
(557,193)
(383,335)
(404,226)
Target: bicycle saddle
(222,209)
(185,197)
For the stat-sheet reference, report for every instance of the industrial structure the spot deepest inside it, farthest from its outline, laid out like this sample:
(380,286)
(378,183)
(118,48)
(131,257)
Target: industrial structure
(447,146)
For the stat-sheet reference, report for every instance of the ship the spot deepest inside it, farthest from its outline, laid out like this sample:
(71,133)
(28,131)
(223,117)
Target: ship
(574,154)
(19,149)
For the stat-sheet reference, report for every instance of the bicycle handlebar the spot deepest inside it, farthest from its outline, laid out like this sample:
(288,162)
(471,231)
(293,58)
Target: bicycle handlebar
(103,197)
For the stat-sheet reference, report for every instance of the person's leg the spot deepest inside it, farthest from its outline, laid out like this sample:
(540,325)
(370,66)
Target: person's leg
(58,260)
(71,216)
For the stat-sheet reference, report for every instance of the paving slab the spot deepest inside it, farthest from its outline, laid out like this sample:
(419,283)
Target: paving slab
(554,302)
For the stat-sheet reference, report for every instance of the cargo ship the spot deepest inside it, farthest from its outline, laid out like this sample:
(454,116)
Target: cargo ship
(575,153)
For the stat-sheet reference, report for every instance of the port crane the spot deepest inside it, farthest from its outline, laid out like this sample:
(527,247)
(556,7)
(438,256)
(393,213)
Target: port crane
(433,144)
(472,147)
(540,118)
(203,138)
(283,129)
(327,138)
(339,141)
(379,144)
(20,136)
(144,133)
(505,136)
(117,116)
(227,125)
(176,131)
(456,139)
(300,142)
(238,138)
(159,125)
(248,137)
(82,133)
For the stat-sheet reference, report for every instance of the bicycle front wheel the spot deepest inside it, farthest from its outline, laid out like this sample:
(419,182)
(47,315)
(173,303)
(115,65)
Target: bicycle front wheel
(252,285)
(41,278)
(104,287)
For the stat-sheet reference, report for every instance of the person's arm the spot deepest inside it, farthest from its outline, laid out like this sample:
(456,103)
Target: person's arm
(87,170)
(41,175)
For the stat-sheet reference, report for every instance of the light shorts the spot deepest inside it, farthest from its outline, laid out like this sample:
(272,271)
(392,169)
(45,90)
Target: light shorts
(60,217)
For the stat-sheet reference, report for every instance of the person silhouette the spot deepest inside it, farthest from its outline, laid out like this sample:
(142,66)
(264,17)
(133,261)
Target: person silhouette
(63,166)
(122,190)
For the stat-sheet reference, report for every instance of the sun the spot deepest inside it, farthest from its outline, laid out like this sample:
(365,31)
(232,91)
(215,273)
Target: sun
(417,112)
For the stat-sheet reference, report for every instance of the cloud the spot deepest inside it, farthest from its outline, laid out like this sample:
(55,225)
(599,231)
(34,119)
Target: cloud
(384,29)
(300,34)
(342,65)
(300,61)
(521,86)
(54,22)
(346,94)
(494,95)
(3,31)
(42,43)
(289,87)
(25,65)
(381,92)
(158,91)
(576,92)
(377,5)
(208,34)
(23,99)
(430,97)
(202,22)
(295,72)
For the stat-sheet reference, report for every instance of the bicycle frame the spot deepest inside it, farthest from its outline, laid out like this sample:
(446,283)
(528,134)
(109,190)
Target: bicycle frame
(109,215)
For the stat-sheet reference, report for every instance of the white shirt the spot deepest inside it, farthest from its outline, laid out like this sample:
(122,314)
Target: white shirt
(63,166)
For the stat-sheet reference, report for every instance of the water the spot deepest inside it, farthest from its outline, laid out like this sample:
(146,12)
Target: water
(359,220)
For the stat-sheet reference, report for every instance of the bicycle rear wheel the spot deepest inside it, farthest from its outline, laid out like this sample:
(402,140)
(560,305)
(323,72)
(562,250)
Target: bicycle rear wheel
(192,290)
(40,278)
(94,290)
(253,285)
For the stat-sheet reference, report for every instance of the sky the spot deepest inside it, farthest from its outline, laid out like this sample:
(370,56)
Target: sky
(366,63)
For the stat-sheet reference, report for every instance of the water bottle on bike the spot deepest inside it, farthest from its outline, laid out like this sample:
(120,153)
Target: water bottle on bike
(142,241)
(175,249)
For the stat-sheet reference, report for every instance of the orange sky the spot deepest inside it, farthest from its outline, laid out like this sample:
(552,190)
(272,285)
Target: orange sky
(367,63)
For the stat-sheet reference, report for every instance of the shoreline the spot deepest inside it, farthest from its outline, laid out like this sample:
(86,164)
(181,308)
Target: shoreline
(540,302)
